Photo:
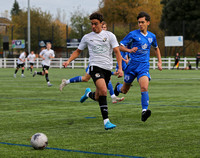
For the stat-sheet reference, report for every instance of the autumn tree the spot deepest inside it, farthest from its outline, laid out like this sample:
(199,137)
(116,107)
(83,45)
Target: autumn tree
(43,27)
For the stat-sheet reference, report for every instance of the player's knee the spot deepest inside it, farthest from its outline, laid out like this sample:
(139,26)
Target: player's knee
(144,89)
(103,92)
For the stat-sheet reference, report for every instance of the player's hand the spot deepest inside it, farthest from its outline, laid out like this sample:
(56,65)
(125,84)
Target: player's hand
(133,50)
(120,73)
(65,64)
(159,66)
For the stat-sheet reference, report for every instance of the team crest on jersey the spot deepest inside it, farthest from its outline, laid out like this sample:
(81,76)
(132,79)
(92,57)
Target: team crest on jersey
(105,39)
(150,40)
(144,46)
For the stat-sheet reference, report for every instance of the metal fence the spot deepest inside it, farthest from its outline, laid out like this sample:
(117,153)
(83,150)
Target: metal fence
(167,63)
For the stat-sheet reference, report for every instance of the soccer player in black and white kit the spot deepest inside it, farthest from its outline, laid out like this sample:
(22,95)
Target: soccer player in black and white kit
(20,63)
(46,55)
(100,44)
(31,58)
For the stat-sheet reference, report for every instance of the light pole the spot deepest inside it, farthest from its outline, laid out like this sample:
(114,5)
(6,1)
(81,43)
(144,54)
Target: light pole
(29,28)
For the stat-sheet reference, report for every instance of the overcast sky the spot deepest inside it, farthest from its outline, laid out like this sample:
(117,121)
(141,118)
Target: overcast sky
(67,6)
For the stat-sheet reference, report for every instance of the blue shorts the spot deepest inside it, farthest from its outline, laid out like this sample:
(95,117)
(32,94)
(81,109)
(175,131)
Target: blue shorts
(136,69)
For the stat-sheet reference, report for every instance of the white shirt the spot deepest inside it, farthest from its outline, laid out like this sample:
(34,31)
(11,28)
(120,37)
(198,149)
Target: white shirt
(46,54)
(22,57)
(31,58)
(100,46)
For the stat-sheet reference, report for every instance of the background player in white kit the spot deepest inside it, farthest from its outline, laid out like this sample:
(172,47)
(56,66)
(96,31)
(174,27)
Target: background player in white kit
(20,63)
(31,58)
(46,55)
(100,44)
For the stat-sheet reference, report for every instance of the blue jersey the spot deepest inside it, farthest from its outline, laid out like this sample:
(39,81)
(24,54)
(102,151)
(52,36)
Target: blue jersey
(124,55)
(142,42)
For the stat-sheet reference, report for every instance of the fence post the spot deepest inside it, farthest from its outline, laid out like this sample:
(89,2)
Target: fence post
(85,63)
(37,62)
(4,62)
(185,62)
(15,63)
(154,63)
(73,64)
(169,63)
(60,63)
(26,63)
(0,63)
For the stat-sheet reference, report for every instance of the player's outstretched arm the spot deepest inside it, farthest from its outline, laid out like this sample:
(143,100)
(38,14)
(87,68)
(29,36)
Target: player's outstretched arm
(157,51)
(73,56)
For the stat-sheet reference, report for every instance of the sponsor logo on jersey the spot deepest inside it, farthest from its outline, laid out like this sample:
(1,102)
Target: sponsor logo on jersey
(144,46)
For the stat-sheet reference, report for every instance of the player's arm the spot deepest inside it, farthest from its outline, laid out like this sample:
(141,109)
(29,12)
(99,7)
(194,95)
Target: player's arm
(73,56)
(125,49)
(119,61)
(157,51)
(41,56)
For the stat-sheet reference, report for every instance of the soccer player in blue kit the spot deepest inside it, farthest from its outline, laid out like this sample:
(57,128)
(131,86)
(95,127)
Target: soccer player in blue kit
(138,65)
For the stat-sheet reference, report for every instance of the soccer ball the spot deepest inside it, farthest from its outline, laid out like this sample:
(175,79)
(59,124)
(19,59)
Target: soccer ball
(39,141)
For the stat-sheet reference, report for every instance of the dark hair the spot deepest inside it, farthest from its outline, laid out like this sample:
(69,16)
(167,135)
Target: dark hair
(96,15)
(144,14)
(104,23)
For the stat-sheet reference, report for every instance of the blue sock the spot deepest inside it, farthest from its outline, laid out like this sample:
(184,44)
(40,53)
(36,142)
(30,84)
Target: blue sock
(76,79)
(112,73)
(145,100)
(110,88)
(119,88)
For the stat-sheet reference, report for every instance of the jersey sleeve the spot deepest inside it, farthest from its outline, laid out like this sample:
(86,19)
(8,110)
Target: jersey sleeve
(154,43)
(127,40)
(42,52)
(113,41)
(53,54)
(83,43)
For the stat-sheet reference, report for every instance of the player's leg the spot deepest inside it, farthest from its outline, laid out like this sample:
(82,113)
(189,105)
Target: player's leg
(123,88)
(114,98)
(16,70)
(144,83)
(101,96)
(47,76)
(22,71)
(42,73)
(65,82)
(31,67)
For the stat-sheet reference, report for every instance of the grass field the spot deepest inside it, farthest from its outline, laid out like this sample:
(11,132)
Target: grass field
(28,106)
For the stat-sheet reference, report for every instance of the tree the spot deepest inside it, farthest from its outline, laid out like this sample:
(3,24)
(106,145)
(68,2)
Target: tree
(15,10)
(177,14)
(80,25)
(43,27)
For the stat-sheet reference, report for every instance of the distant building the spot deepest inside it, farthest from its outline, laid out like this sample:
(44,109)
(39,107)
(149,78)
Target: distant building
(4,23)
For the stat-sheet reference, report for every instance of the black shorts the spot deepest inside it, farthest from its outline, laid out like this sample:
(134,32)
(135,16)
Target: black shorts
(20,65)
(44,67)
(97,73)
(31,64)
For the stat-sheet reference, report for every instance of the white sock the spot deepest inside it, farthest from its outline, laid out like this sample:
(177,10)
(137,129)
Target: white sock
(144,110)
(113,96)
(68,81)
(105,121)
(48,82)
